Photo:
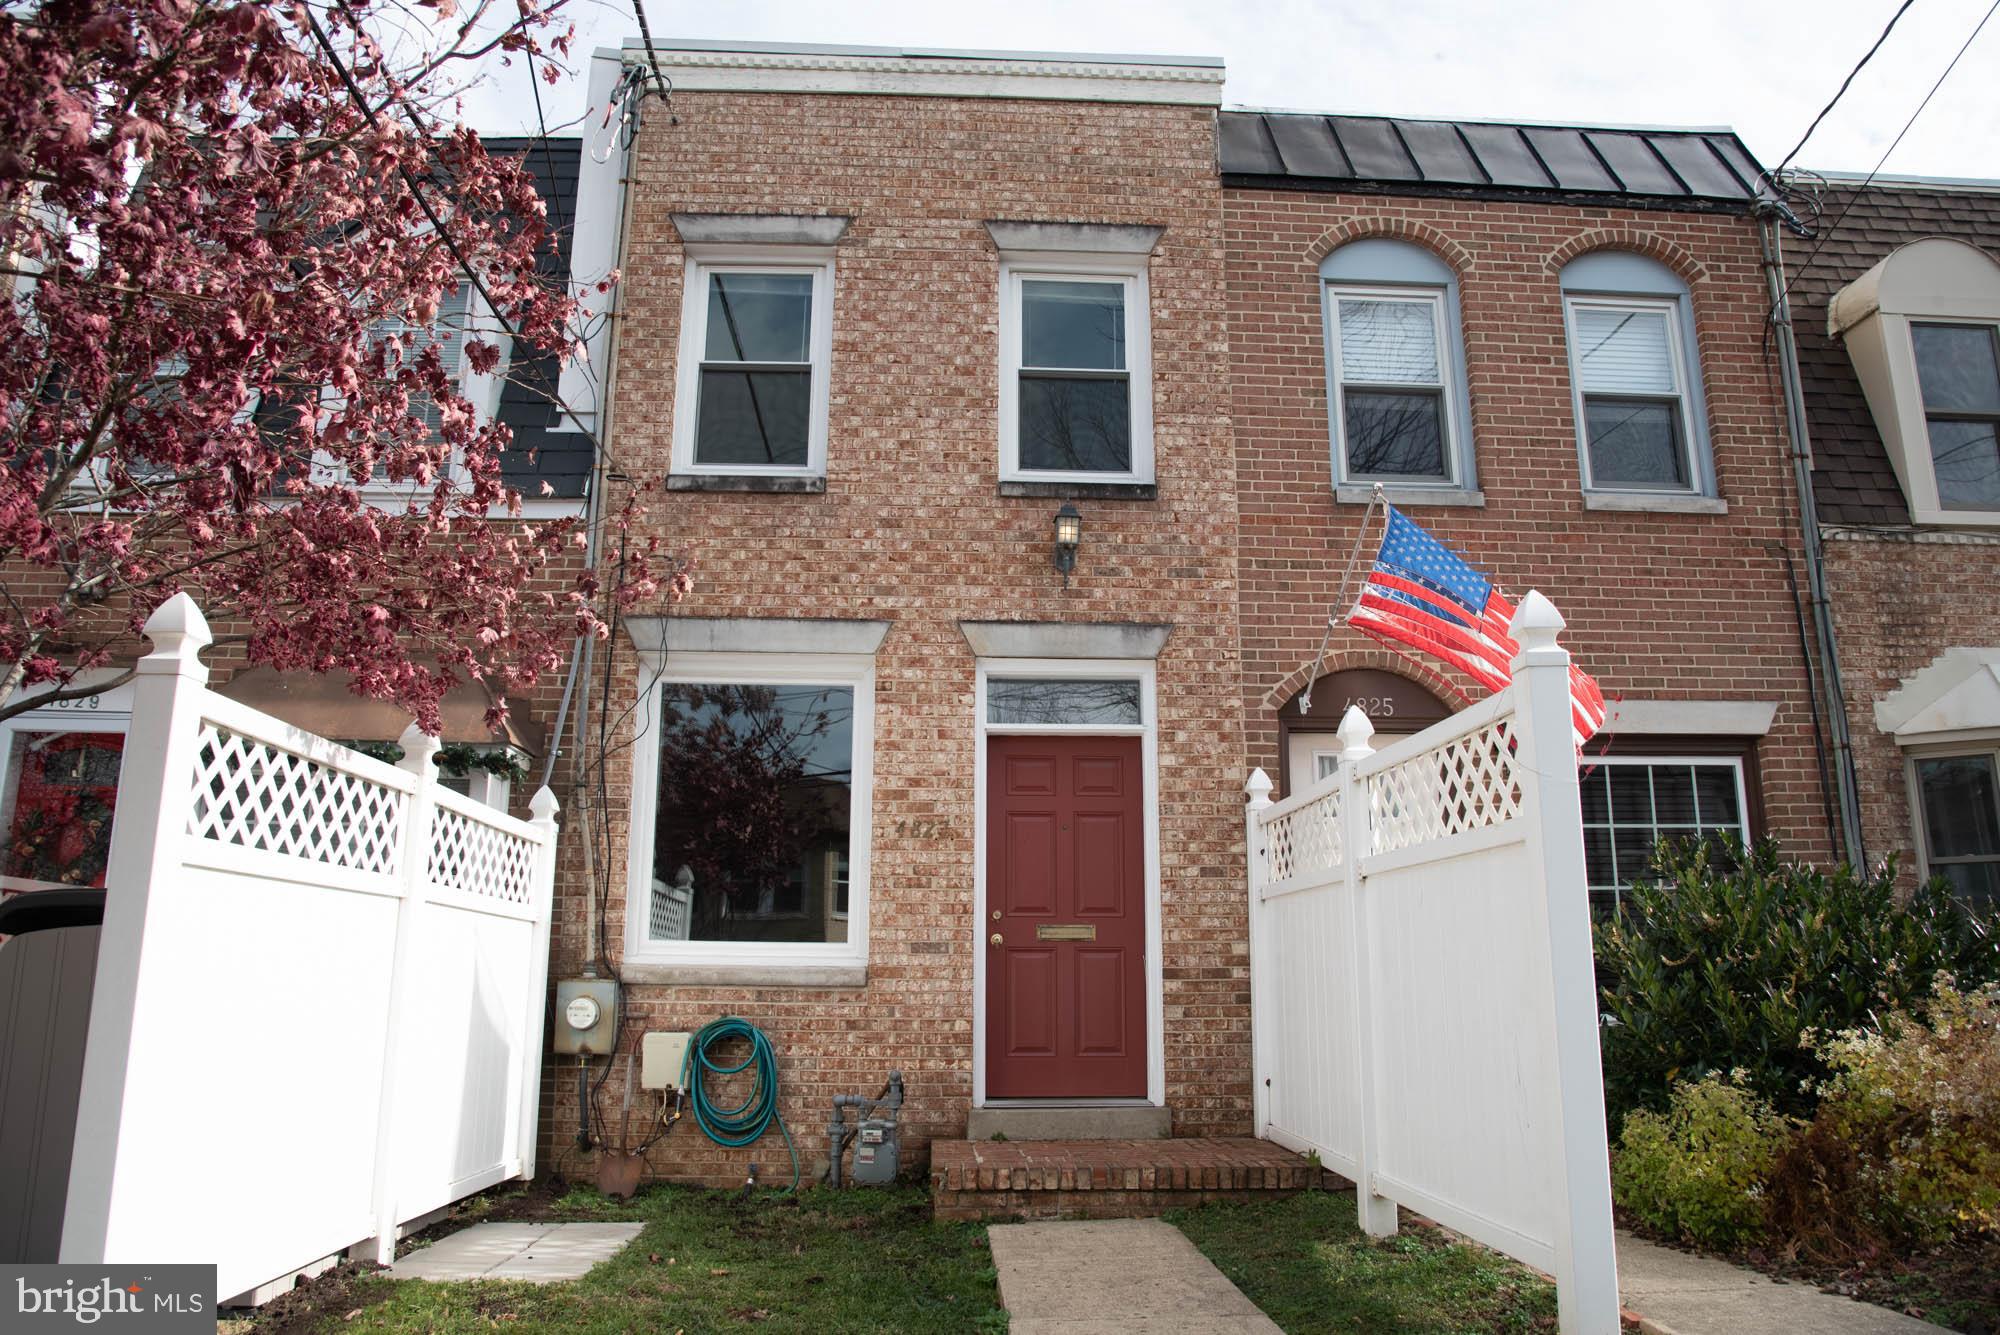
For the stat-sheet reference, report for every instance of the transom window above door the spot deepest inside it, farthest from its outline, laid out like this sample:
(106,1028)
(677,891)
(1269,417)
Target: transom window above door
(1083,702)
(1396,388)
(756,340)
(1076,394)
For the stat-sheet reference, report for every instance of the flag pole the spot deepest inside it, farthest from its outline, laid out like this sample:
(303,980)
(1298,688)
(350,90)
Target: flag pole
(1335,612)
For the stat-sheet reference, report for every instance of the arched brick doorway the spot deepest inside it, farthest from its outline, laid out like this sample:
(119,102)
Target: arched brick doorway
(1396,706)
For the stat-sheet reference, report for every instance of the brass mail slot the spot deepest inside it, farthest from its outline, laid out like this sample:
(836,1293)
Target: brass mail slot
(1065,931)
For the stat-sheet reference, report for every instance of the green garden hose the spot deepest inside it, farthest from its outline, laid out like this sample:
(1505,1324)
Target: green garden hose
(750,1119)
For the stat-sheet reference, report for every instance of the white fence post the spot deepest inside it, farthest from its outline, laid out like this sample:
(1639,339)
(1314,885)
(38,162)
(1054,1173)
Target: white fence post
(1377,1212)
(1585,1255)
(1263,1012)
(543,808)
(154,794)
(419,758)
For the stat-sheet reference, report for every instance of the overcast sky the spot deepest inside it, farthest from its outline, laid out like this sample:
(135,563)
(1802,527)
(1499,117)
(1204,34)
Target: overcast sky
(1765,67)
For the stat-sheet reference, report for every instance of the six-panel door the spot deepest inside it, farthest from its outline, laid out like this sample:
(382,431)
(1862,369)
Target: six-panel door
(1065,896)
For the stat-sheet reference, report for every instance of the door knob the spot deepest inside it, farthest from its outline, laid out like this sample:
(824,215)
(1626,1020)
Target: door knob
(994,940)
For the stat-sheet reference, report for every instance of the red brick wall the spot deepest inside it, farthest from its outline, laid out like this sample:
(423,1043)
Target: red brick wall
(1660,606)
(1897,605)
(911,530)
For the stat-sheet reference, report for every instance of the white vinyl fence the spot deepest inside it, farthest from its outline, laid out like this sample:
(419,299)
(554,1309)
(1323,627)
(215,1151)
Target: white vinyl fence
(1424,1007)
(319,995)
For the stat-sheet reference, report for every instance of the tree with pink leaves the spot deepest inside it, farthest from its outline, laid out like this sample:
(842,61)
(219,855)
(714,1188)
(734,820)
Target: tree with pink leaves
(229,229)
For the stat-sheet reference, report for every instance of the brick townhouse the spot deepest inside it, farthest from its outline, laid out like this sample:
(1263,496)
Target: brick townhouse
(906,782)
(977,392)
(1546,344)
(1897,311)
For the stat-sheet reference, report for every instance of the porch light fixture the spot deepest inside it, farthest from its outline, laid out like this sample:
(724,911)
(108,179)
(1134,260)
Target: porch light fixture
(1069,532)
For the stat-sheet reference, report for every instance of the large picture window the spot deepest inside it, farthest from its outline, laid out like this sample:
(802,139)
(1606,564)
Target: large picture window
(1629,805)
(750,829)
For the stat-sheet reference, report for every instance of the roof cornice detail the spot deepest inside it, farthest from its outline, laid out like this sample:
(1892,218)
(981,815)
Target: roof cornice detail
(1079,79)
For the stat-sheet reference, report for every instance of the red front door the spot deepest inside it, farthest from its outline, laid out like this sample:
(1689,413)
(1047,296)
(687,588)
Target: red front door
(1065,929)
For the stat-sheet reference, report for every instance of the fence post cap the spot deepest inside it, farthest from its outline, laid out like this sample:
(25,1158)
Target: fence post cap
(1258,788)
(543,805)
(419,749)
(1536,623)
(1355,730)
(178,629)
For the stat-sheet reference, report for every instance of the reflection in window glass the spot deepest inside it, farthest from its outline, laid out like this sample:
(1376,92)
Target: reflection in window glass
(1075,401)
(1961,815)
(1634,407)
(752,829)
(1018,700)
(1628,808)
(755,402)
(1958,366)
(1391,388)
(62,788)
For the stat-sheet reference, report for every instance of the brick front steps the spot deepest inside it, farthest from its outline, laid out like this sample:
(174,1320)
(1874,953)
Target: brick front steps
(1108,1179)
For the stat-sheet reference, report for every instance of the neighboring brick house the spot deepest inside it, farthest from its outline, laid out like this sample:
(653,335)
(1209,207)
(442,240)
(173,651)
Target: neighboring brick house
(886,316)
(1897,311)
(1548,345)
(67,757)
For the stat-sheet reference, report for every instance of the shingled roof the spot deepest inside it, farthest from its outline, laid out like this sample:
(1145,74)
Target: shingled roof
(540,453)
(1655,168)
(1853,481)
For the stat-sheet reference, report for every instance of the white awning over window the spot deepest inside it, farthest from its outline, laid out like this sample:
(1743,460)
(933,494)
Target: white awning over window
(1958,693)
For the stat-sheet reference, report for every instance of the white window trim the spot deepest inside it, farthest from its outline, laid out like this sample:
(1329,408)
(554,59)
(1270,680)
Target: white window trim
(1692,432)
(1145,672)
(1973,744)
(704,260)
(1132,271)
(1734,762)
(1334,290)
(106,712)
(855,671)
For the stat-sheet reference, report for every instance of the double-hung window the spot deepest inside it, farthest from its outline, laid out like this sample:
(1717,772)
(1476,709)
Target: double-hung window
(1390,375)
(447,333)
(1076,394)
(756,339)
(1395,371)
(1631,394)
(1958,797)
(1958,368)
(1641,416)
(1630,804)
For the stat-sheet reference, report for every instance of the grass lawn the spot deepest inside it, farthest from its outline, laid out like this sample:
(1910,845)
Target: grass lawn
(874,1260)
(1307,1263)
(823,1261)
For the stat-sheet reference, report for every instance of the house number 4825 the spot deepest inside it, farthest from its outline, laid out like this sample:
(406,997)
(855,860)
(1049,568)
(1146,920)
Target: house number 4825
(1374,706)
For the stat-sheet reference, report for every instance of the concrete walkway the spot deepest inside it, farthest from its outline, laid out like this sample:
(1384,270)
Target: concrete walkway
(538,1253)
(1115,1277)
(1675,1293)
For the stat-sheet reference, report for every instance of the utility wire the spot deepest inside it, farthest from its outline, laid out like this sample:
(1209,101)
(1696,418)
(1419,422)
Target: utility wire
(1858,191)
(661,83)
(1844,83)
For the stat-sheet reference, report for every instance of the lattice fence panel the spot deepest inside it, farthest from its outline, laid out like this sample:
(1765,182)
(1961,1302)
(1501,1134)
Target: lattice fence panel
(473,857)
(251,794)
(1306,839)
(1467,784)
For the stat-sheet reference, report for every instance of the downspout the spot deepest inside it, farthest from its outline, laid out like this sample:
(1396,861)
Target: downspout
(1828,686)
(576,686)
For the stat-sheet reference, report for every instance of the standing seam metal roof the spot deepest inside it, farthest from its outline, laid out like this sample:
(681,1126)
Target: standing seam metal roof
(1697,168)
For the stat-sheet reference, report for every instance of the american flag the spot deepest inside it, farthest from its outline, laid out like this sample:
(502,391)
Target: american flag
(1421,594)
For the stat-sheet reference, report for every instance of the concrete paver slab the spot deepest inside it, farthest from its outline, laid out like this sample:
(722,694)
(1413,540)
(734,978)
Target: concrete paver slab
(1677,1293)
(1115,1275)
(539,1253)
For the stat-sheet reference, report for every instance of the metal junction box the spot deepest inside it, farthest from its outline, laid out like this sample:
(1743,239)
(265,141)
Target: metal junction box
(586,1016)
